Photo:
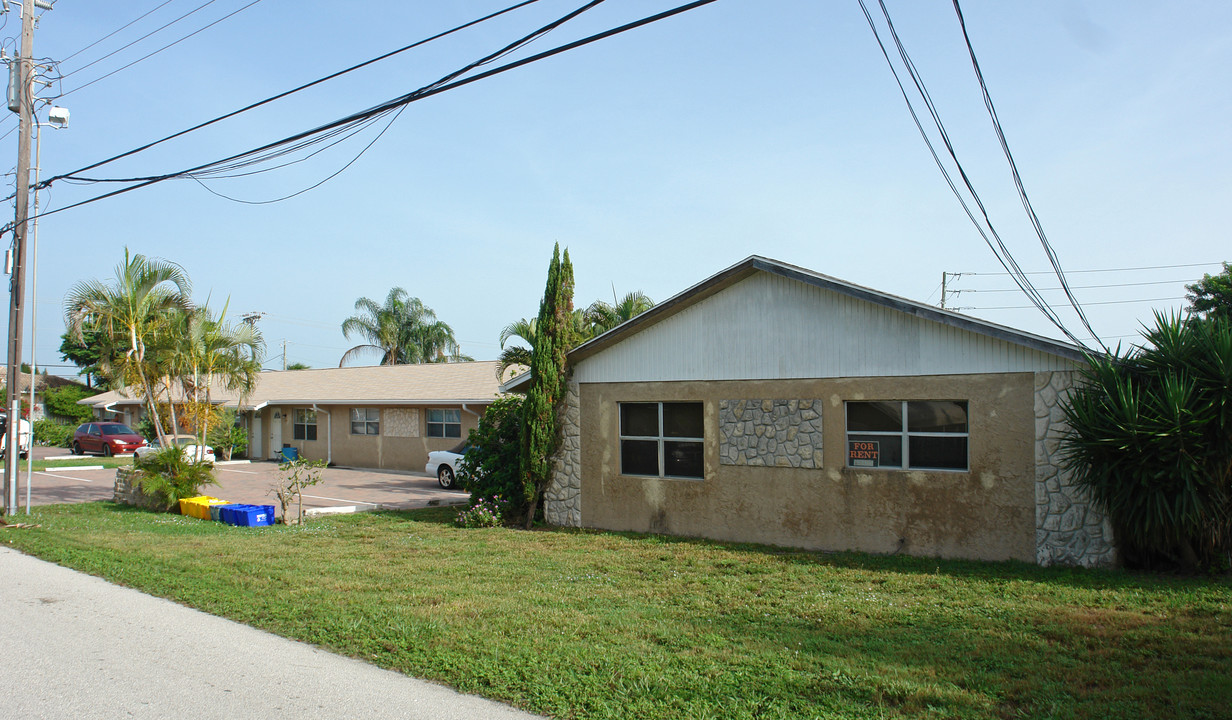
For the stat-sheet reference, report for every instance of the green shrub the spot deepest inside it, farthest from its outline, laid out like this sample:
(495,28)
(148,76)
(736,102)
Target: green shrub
(50,433)
(61,402)
(491,467)
(168,476)
(1151,441)
(226,437)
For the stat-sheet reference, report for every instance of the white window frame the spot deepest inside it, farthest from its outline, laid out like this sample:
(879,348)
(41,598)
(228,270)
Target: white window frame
(297,422)
(370,417)
(905,437)
(443,423)
(661,439)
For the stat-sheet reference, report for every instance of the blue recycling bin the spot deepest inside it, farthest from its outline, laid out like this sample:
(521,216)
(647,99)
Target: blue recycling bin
(290,454)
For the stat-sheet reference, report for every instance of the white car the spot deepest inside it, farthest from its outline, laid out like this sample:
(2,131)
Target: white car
(187,443)
(23,439)
(444,464)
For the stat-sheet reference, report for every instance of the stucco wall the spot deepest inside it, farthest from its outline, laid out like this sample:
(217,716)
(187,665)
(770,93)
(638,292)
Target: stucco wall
(987,512)
(401,445)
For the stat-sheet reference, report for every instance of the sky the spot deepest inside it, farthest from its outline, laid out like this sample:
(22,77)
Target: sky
(657,157)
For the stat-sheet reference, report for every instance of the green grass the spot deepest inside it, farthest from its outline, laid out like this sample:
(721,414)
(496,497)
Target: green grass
(581,624)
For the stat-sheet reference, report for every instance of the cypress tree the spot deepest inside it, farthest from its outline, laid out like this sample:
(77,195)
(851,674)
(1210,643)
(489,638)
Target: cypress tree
(541,416)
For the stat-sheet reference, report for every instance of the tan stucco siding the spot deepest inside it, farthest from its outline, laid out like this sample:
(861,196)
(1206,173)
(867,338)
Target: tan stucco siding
(987,512)
(384,451)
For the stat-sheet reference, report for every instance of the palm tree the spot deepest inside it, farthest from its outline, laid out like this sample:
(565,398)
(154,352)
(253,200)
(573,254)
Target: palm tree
(125,315)
(601,316)
(403,331)
(225,353)
(524,330)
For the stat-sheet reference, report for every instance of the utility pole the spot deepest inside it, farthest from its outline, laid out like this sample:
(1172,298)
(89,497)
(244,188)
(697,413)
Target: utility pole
(24,68)
(284,355)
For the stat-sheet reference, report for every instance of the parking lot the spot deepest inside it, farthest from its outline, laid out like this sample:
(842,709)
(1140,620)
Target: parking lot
(341,490)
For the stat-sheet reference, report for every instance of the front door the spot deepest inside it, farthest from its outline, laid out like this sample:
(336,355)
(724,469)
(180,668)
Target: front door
(275,436)
(254,435)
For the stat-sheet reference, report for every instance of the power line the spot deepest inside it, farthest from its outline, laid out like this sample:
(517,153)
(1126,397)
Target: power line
(1108,302)
(147,57)
(1129,269)
(999,250)
(1018,184)
(292,91)
(118,30)
(1078,287)
(431,90)
(143,37)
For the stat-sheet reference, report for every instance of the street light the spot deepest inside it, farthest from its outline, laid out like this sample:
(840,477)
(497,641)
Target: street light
(57,117)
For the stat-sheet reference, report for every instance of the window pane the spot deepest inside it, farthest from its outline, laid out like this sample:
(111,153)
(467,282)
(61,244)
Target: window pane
(874,417)
(436,416)
(682,459)
(639,457)
(436,430)
(937,416)
(312,432)
(357,428)
(451,416)
(949,453)
(453,430)
(374,428)
(888,448)
(640,419)
(297,432)
(683,420)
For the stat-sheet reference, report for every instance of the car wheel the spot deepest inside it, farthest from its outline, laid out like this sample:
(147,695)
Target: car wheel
(76,448)
(106,451)
(445,477)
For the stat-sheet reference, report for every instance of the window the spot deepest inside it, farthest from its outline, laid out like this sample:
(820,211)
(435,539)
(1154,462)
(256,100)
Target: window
(305,425)
(445,423)
(925,434)
(365,421)
(662,439)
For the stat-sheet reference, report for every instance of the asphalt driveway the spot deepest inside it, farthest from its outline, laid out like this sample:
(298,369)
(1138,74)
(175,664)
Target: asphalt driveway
(341,490)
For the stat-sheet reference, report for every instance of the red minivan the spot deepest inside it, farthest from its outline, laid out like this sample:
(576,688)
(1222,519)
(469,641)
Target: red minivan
(106,438)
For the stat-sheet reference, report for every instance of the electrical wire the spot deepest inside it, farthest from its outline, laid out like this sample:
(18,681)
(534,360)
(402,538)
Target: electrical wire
(999,250)
(1129,269)
(1077,287)
(1018,184)
(147,57)
(1107,302)
(117,30)
(294,90)
(122,48)
(441,86)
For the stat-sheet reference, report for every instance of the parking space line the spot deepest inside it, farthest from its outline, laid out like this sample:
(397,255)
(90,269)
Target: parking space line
(62,475)
(245,472)
(361,502)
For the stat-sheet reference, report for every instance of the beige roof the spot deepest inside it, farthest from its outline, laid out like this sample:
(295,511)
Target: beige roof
(467,382)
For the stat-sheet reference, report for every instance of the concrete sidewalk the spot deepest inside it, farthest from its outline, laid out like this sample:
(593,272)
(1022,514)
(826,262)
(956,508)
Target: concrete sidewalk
(79,647)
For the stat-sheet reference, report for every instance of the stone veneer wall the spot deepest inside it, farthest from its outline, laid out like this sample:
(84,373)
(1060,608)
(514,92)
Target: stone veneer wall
(770,433)
(401,423)
(562,501)
(127,493)
(1069,529)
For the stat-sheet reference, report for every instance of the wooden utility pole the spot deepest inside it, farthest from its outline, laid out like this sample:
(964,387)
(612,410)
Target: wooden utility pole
(17,282)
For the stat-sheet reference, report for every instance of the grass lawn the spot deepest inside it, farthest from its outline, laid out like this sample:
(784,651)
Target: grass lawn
(581,624)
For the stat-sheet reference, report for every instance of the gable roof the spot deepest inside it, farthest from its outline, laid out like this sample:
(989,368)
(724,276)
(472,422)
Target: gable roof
(755,265)
(429,383)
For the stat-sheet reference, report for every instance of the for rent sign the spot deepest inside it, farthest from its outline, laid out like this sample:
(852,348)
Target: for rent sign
(863,453)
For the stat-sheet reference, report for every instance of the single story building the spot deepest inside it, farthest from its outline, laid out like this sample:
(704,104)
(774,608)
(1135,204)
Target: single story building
(387,416)
(777,405)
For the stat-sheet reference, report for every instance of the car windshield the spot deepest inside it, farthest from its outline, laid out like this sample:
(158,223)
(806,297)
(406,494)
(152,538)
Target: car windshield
(460,448)
(185,441)
(117,430)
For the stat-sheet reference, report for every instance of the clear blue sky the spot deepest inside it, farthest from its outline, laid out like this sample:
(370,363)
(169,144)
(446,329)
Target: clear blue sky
(658,157)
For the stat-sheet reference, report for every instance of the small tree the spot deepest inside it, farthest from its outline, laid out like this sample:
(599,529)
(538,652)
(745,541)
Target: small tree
(301,474)
(541,417)
(1212,295)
